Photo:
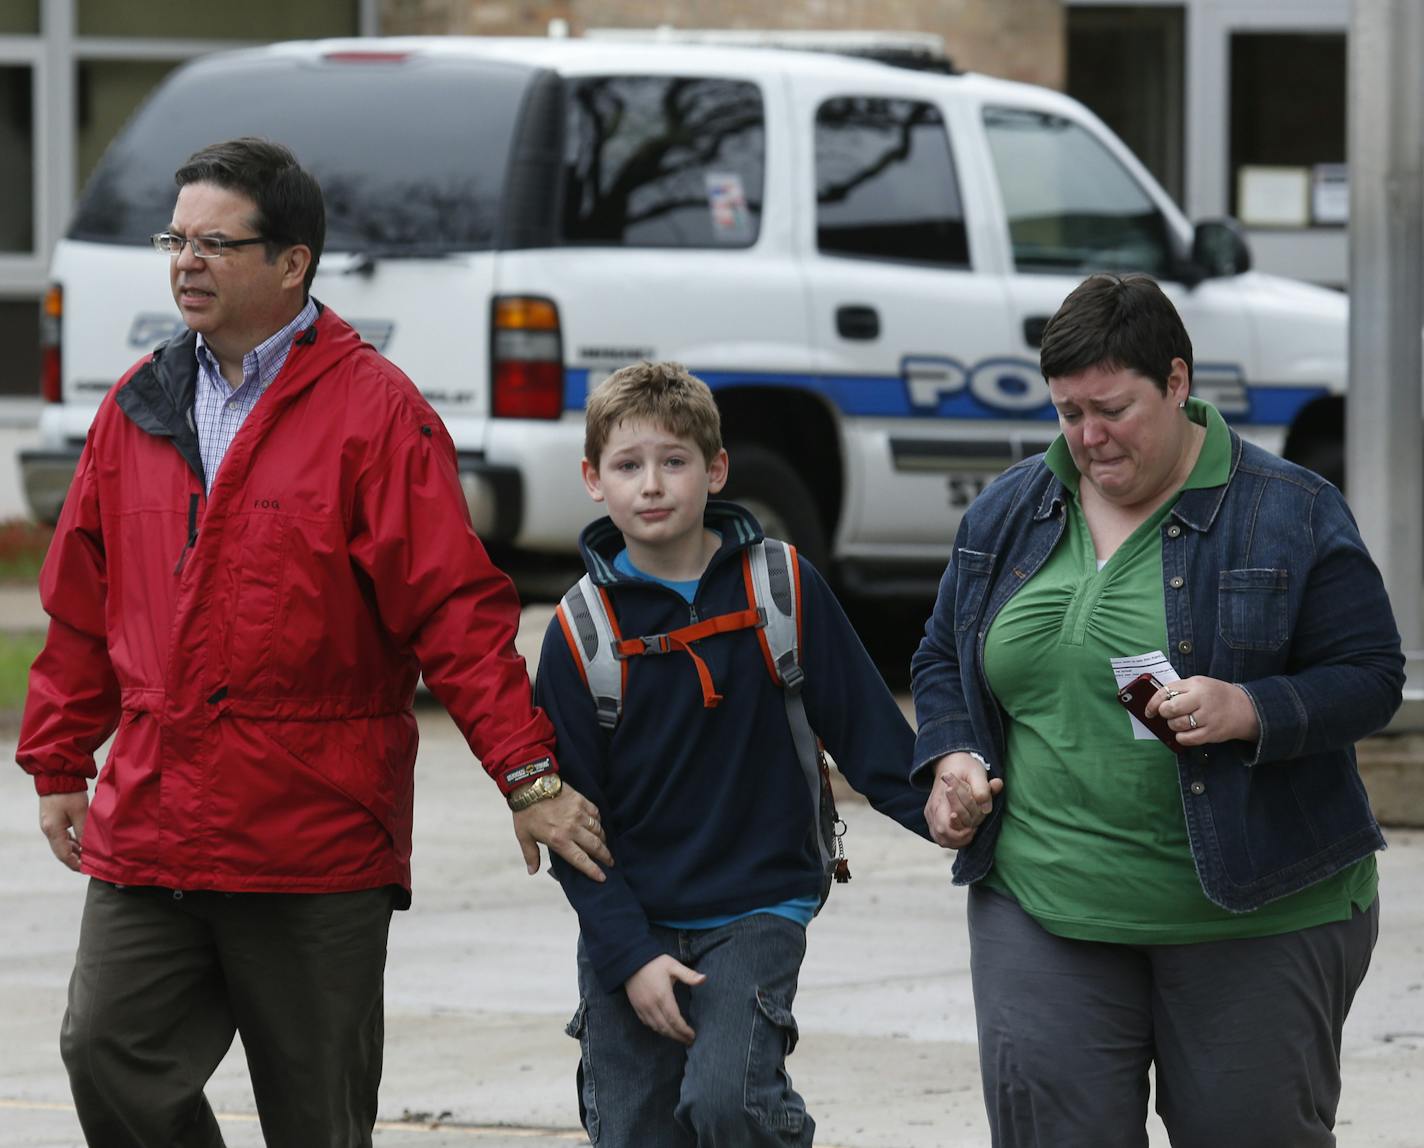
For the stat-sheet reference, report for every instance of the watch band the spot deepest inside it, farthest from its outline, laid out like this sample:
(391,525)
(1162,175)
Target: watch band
(541,788)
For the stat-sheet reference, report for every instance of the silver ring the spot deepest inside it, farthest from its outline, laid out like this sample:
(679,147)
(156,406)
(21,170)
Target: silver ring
(1192,720)
(1173,693)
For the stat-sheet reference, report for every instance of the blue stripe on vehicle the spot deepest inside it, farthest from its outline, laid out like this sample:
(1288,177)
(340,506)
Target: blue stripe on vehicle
(575,388)
(888,396)
(1277,406)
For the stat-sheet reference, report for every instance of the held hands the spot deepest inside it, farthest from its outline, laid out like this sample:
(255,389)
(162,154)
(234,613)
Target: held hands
(570,826)
(650,992)
(62,822)
(1203,711)
(962,796)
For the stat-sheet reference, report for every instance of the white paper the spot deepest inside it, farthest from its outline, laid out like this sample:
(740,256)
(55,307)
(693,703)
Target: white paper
(1125,669)
(1273,196)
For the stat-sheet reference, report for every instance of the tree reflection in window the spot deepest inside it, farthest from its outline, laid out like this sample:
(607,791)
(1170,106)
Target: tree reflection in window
(885,183)
(656,161)
(405,169)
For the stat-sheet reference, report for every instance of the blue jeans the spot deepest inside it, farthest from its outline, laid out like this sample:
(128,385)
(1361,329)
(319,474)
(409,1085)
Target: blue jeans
(730,1089)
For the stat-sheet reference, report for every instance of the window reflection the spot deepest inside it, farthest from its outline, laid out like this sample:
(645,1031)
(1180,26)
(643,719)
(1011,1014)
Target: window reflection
(664,162)
(885,183)
(408,166)
(1071,206)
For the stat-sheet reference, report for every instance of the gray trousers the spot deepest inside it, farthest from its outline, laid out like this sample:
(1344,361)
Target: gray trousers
(162,981)
(1244,1034)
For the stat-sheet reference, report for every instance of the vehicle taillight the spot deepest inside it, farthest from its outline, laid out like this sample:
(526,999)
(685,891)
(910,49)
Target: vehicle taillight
(51,316)
(526,359)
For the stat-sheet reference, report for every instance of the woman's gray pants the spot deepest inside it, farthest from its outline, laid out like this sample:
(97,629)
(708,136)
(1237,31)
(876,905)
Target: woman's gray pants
(1244,1034)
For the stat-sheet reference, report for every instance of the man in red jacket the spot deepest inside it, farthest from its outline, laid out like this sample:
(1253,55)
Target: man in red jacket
(264,545)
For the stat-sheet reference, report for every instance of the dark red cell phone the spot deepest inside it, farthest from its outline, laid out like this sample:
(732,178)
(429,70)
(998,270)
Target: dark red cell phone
(1135,695)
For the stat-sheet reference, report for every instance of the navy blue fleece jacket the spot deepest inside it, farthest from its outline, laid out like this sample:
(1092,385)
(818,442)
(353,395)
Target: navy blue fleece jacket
(706,810)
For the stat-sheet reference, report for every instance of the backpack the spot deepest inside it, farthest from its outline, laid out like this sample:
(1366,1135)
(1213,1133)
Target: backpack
(773,585)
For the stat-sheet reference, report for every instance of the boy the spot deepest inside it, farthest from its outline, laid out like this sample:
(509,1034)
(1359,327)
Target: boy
(689,953)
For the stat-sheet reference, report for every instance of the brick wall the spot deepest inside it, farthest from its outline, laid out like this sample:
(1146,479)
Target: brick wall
(1018,39)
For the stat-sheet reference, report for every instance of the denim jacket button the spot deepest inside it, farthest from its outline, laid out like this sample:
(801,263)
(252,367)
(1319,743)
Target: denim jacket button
(1174,531)
(1177,583)
(1184,647)
(1198,788)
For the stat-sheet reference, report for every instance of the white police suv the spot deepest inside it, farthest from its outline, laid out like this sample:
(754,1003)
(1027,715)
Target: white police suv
(859,258)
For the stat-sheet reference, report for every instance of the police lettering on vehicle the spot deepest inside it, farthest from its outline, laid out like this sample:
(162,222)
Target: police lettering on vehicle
(1002,384)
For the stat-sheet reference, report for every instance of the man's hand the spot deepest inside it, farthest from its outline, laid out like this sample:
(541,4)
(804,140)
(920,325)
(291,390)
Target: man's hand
(62,822)
(570,826)
(962,796)
(650,992)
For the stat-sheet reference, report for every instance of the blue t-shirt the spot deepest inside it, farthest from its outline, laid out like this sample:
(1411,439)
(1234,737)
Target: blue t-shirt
(798,909)
(624,565)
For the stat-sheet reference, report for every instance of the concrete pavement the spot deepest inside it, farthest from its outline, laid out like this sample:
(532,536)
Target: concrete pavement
(481,981)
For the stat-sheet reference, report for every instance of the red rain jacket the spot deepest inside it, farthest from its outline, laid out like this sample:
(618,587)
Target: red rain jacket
(258,648)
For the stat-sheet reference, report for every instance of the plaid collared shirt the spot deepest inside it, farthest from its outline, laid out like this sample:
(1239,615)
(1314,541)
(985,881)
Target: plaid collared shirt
(219,410)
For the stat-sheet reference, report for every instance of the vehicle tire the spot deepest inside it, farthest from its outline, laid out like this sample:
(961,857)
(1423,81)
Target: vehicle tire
(1326,457)
(770,488)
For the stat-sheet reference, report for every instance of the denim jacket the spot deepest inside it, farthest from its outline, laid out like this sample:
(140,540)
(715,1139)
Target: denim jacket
(1267,583)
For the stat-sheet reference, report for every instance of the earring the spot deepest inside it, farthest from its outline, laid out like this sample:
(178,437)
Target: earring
(1181,405)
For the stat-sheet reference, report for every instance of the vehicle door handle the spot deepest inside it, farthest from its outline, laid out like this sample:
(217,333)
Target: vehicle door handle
(858,322)
(1033,330)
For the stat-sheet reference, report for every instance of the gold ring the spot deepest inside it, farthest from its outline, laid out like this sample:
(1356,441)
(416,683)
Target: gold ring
(1192,720)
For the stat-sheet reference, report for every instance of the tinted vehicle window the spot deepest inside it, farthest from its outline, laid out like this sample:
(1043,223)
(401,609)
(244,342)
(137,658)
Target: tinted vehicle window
(1071,206)
(411,154)
(885,183)
(663,161)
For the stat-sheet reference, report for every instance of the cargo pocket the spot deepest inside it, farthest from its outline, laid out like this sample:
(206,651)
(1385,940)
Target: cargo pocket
(583,1078)
(769,1095)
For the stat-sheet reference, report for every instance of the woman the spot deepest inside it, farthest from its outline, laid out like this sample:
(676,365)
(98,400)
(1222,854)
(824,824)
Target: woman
(1211,911)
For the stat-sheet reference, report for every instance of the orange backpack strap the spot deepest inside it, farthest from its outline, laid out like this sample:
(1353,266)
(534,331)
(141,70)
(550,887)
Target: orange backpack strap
(681,640)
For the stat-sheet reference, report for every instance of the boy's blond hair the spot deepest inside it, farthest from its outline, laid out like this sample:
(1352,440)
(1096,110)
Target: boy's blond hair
(664,394)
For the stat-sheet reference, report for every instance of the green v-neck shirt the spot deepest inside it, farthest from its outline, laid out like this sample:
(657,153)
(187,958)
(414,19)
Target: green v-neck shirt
(1094,841)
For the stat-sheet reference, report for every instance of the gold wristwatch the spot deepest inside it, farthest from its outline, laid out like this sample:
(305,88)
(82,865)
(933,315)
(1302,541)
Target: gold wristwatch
(544,786)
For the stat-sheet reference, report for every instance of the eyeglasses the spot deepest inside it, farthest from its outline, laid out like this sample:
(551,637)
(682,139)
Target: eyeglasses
(204,246)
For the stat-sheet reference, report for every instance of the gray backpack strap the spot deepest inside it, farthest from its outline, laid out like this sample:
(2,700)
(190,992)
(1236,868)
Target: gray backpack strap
(778,598)
(589,631)
(774,582)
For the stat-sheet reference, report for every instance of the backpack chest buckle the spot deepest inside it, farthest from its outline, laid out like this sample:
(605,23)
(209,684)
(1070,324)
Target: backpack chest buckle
(644,644)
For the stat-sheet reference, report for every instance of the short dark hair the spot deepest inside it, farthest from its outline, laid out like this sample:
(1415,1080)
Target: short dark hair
(1116,322)
(290,209)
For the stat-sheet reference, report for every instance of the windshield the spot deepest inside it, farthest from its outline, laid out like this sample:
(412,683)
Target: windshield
(411,152)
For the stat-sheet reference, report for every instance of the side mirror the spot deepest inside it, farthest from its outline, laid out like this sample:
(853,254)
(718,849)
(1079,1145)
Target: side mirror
(1219,249)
